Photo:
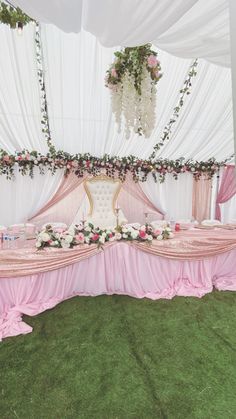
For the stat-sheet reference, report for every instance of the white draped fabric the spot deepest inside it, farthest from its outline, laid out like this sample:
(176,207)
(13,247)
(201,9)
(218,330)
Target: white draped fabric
(186,28)
(80,113)
(79,105)
(19,92)
(23,197)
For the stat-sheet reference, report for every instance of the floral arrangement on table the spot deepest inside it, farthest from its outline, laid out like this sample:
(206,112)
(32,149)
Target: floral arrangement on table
(132,79)
(26,161)
(86,233)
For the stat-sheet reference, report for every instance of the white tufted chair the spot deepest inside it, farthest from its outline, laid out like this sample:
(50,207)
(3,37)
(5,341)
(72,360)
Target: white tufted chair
(102,192)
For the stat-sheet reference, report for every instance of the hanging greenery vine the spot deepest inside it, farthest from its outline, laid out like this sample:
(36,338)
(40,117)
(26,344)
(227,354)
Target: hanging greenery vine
(43,95)
(13,16)
(26,161)
(186,90)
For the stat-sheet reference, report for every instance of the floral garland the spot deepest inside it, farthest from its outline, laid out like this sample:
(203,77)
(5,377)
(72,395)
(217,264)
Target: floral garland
(42,88)
(185,91)
(80,164)
(86,233)
(13,16)
(132,80)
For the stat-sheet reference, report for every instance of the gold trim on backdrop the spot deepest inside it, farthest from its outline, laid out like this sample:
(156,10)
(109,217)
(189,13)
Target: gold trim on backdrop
(105,179)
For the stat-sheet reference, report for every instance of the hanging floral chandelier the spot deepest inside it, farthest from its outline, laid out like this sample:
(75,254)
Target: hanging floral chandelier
(132,80)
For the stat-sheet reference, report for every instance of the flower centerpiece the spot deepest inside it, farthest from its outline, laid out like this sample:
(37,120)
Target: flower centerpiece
(86,233)
(132,80)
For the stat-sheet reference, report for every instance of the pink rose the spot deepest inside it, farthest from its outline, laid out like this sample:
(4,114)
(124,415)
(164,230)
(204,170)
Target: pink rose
(113,72)
(157,232)
(6,158)
(27,156)
(95,237)
(142,234)
(79,238)
(152,61)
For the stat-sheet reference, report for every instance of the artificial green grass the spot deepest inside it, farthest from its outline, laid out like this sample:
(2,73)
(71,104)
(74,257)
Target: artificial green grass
(116,357)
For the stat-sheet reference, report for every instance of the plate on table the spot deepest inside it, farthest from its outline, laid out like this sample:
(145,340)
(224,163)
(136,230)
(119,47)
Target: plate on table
(204,227)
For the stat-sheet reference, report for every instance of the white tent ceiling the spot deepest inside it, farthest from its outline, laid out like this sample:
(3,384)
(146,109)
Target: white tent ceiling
(79,104)
(186,28)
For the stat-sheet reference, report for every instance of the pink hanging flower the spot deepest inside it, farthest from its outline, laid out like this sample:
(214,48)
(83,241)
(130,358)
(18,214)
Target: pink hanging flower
(152,61)
(79,238)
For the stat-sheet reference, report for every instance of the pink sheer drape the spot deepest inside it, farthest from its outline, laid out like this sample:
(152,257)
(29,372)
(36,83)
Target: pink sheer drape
(134,202)
(201,198)
(227,188)
(63,206)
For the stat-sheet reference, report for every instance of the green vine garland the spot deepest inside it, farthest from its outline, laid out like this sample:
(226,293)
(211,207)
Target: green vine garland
(13,16)
(185,91)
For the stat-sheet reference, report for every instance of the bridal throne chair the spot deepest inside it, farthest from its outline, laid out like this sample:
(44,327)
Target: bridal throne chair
(102,192)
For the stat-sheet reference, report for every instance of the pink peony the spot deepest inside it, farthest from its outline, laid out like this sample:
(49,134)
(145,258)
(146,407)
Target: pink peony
(113,72)
(152,61)
(142,234)
(79,238)
(95,237)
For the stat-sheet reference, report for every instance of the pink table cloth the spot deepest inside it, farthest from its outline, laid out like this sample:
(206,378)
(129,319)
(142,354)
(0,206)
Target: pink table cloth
(134,270)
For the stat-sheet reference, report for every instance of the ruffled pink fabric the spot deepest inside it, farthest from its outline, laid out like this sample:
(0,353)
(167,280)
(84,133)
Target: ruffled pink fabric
(227,188)
(119,269)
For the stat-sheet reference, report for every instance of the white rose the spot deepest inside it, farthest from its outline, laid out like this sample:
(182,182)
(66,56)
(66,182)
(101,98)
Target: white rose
(159,237)
(118,236)
(143,228)
(171,235)
(87,240)
(104,234)
(125,236)
(45,237)
(124,230)
(38,244)
(55,243)
(68,238)
(102,239)
(134,234)
(65,245)
(149,237)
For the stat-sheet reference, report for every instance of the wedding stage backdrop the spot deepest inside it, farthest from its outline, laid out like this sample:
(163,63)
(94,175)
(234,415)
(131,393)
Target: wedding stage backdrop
(53,101)
(189,265)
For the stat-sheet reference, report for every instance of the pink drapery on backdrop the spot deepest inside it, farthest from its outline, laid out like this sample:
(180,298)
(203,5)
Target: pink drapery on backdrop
(63,206)
(202,198)
(227,188)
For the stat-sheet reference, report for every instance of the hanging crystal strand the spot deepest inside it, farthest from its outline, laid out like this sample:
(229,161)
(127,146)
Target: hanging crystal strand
(42,87)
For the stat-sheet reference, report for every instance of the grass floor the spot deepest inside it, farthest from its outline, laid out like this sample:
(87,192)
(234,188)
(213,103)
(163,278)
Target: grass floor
(115,357)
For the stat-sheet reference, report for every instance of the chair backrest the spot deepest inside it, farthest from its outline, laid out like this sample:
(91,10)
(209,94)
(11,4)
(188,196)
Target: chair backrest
(211,222)
(55,225)
(102,192)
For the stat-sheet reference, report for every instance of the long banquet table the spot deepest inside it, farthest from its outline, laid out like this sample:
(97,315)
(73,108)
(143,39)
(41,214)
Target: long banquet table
(190,264)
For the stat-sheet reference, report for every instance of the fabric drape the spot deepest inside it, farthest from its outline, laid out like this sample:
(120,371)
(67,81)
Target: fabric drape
(202,198)
(187,28)
(227,188)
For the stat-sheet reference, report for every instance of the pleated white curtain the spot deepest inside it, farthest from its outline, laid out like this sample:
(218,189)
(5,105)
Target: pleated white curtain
(186,28)
(19,92)
(23,197)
